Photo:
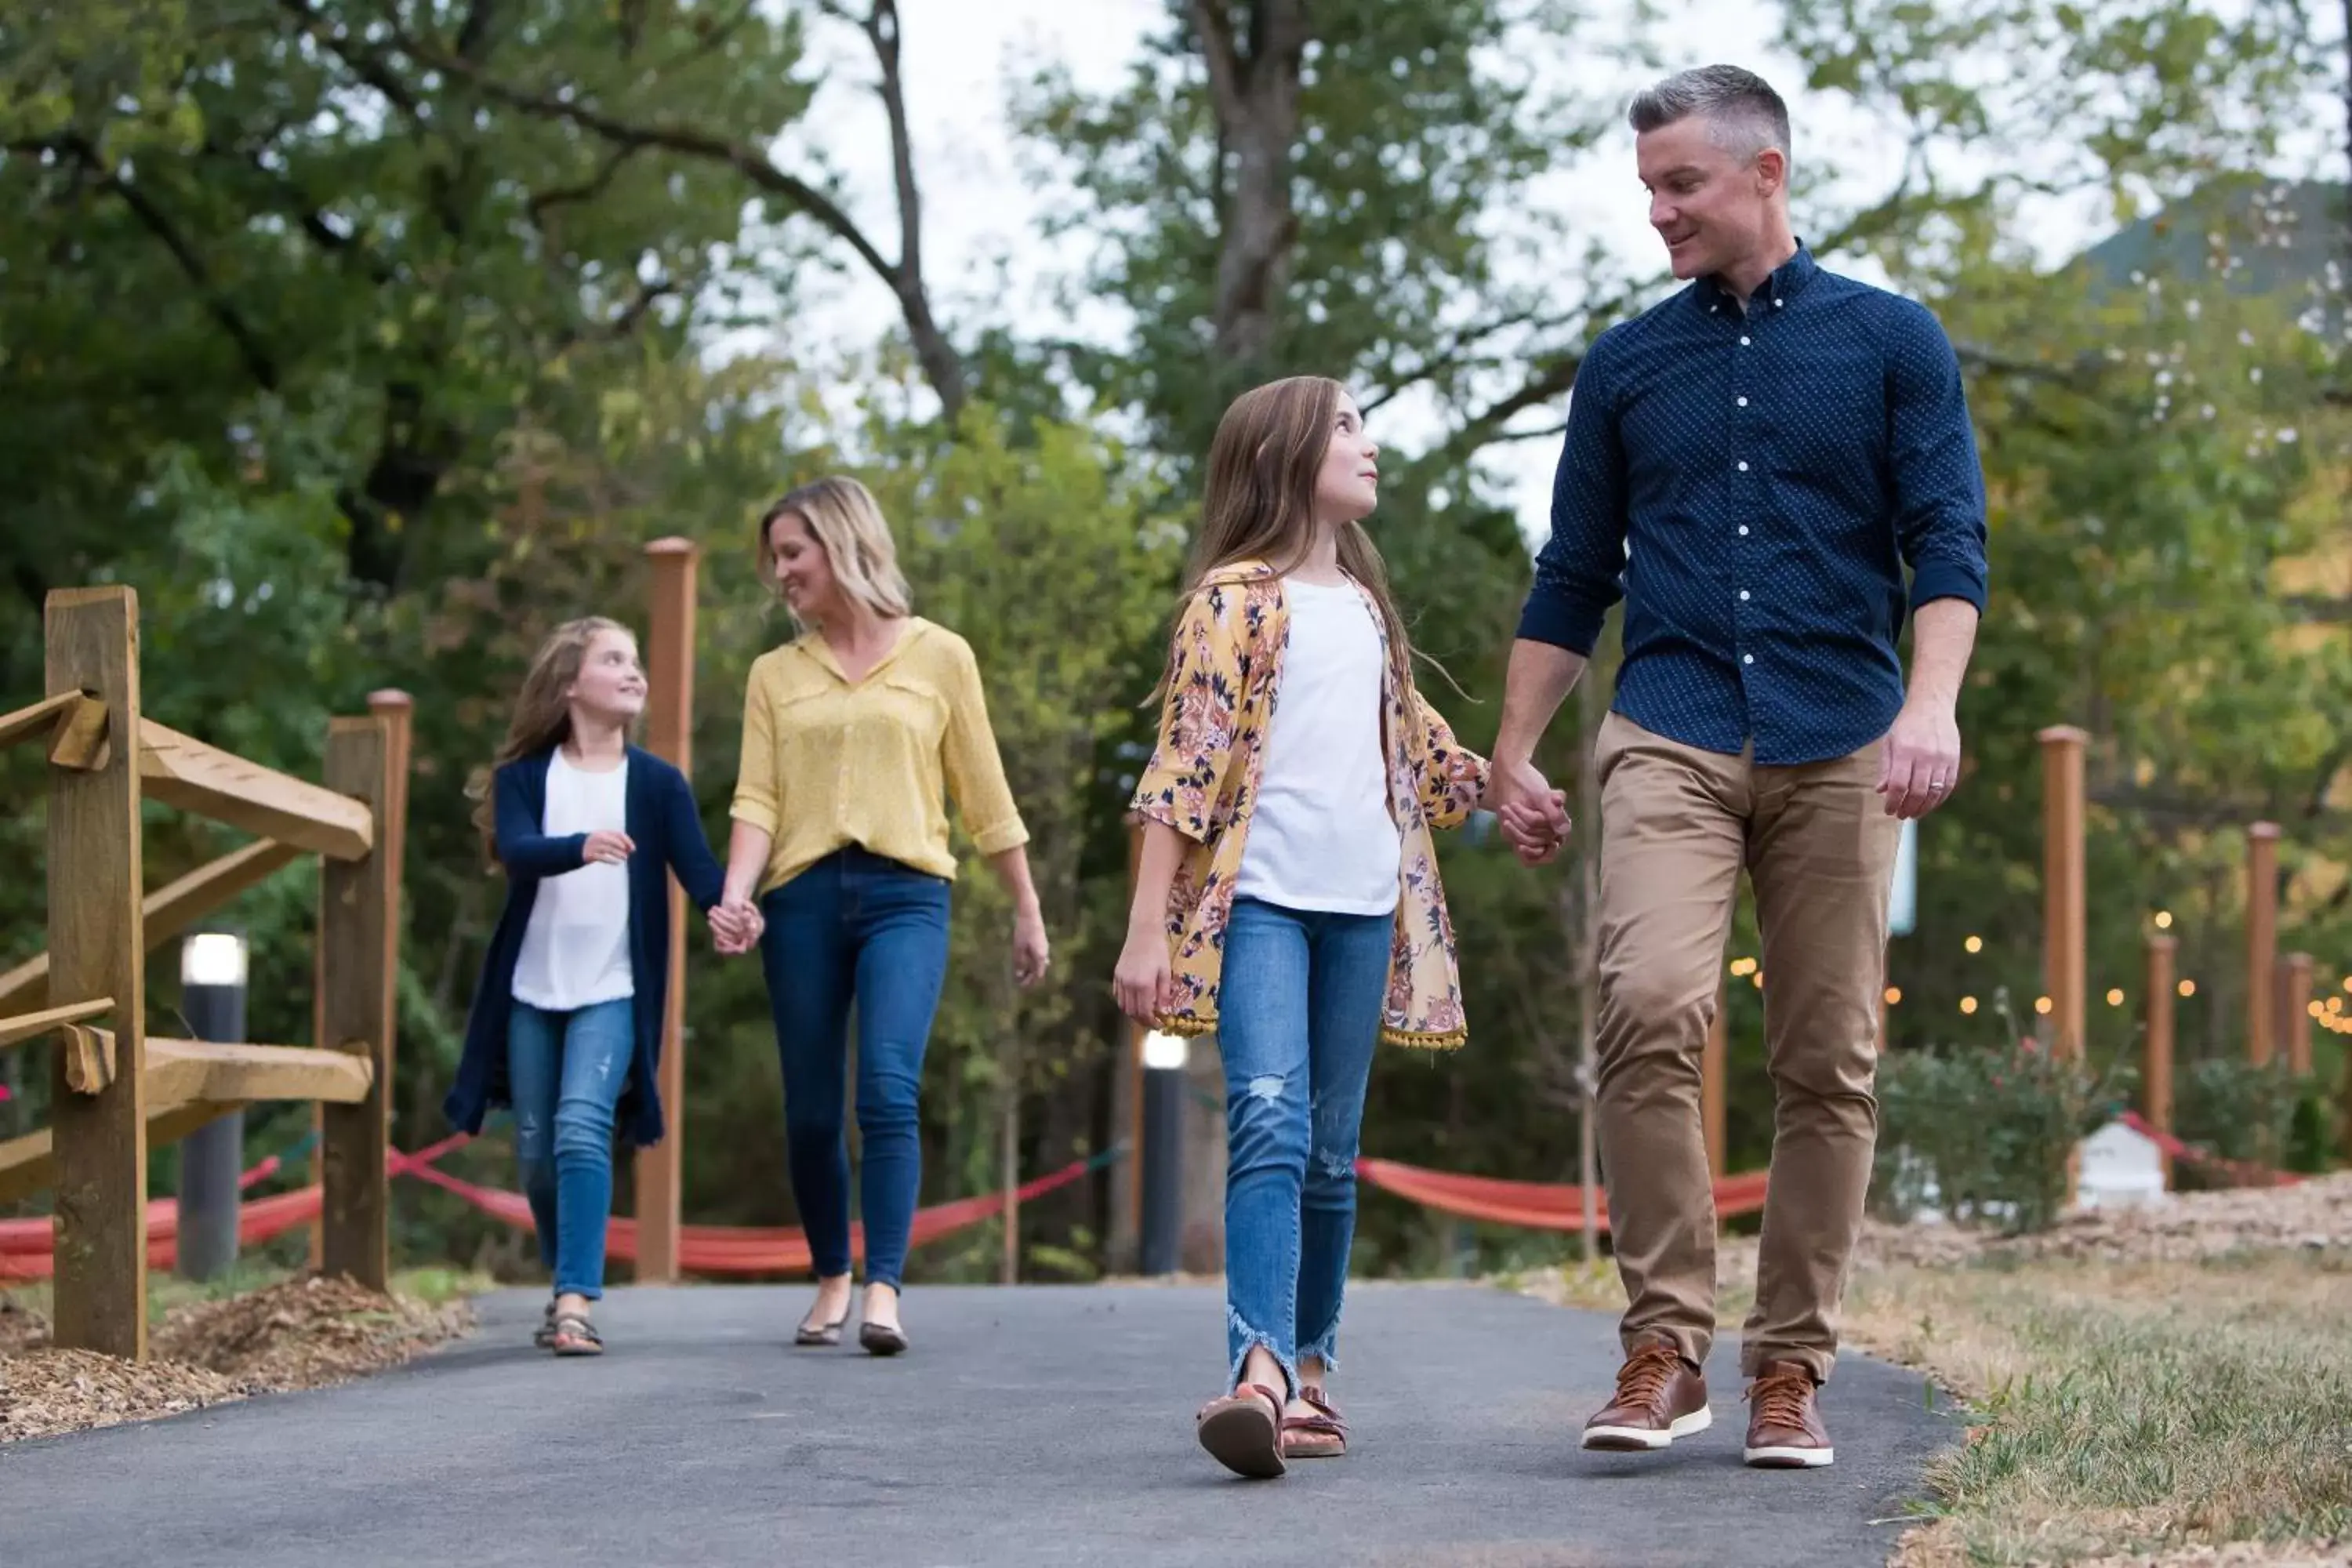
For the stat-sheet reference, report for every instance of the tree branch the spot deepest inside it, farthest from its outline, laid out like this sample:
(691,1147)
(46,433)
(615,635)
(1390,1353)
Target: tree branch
(259,363)
(589,189)
(941,363)
(1217,50)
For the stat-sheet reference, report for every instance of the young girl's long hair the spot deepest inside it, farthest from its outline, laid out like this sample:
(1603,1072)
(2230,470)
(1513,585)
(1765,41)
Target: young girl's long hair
(1260,504)
(542,713)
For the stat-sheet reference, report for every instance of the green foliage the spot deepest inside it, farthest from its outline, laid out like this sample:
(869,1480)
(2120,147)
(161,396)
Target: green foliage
(1983,1133)
(2237,1111)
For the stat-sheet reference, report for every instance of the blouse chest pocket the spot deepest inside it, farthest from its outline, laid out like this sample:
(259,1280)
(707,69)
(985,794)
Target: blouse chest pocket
(904,707)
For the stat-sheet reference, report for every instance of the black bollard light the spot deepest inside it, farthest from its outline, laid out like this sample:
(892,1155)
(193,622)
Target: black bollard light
(212,1158)
(1164,1087)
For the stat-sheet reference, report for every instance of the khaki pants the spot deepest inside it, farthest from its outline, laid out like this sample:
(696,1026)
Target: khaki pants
(1678,824)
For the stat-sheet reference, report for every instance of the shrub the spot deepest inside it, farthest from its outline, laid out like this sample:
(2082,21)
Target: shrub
(1983,1133)
(2244,1112)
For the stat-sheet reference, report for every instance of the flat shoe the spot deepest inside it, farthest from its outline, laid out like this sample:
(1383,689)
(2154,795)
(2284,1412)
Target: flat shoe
(824,1334)
(881,1339)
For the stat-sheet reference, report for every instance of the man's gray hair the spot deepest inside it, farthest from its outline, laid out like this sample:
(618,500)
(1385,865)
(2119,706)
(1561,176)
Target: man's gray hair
(1742,112)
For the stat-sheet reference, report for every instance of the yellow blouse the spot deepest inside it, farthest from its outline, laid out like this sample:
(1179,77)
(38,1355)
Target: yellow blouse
(829,762)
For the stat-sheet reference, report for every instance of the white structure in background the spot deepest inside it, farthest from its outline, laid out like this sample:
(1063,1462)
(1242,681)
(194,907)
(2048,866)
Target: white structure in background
(2121,1168)
(1903,903)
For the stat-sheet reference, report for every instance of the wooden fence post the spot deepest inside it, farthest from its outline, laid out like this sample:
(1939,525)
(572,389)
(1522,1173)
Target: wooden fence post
(359,967)
(1711,1068)
(2155,1077)
(669,733)
(2063,966)
(2262,941)
(97,948)
(2294,1012)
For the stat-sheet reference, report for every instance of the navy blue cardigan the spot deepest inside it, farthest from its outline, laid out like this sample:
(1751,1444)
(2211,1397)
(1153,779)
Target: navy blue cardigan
(664,825)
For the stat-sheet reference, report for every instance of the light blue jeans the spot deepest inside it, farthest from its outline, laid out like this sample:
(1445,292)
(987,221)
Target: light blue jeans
(1298,1016)
(567,1072)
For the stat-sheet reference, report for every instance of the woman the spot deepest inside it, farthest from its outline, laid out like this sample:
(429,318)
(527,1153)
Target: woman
(854,734)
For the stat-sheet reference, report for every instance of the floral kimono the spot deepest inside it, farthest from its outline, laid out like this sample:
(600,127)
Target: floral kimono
(1225,673)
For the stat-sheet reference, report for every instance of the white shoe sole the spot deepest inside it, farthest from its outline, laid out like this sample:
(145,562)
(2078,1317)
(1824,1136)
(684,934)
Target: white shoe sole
(1647,1439)
(1779,1459)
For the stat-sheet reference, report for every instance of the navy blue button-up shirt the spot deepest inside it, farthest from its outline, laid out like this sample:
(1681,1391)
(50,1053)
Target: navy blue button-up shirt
(1752,484)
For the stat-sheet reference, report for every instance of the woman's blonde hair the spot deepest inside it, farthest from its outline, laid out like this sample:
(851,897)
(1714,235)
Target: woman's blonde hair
(543,712)
(1259,505)
(845,520)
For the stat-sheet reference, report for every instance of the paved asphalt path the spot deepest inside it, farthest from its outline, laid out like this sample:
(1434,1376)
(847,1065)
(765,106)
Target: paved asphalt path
(1026,1428)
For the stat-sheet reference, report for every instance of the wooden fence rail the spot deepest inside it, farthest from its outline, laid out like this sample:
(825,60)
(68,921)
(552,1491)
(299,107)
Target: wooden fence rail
(115,1092)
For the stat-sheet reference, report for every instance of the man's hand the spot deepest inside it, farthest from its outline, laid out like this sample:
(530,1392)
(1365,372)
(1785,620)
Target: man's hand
(1532,815)
(1919,761)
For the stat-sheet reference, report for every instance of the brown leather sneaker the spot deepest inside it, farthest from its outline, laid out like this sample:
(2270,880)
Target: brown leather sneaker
(1660,1398)
(1784,1421)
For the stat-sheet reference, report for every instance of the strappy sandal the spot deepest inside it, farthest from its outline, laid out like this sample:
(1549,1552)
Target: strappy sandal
(575,1335)
(543,1336)
(1242,1431)
(1322,1436)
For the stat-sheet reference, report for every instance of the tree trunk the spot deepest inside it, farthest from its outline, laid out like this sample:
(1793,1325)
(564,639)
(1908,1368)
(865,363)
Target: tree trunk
(1254,82)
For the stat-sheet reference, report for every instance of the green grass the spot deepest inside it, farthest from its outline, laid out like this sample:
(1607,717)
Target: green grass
(2129,1408)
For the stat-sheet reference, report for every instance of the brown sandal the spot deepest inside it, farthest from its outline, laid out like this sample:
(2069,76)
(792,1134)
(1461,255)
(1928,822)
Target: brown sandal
(575,1335)
(1322,1436)
(1242,1431)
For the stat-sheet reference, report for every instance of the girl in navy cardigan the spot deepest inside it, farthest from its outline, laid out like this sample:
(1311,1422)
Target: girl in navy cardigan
(566,1022)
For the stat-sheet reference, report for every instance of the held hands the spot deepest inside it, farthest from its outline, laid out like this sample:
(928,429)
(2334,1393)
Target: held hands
(1919,764)
(1532,815)
(736,926)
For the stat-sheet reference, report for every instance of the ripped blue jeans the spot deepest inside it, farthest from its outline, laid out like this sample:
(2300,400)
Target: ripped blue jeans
(1298,1016)
(567,1072)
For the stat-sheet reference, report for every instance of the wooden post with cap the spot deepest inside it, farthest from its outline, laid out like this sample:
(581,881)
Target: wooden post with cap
(2064,967)
(669,736)
(2155,1077)
(2262,941)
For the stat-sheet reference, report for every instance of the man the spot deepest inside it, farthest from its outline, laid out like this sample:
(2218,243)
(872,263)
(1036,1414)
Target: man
(1751,465)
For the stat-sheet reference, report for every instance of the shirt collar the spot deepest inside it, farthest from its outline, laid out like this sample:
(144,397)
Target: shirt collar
(1782,284)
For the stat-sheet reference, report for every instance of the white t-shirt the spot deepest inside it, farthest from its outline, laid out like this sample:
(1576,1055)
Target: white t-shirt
(1321,837)
(576,951)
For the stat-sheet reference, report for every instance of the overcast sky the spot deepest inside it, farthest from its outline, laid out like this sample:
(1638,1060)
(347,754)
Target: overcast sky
(960,57)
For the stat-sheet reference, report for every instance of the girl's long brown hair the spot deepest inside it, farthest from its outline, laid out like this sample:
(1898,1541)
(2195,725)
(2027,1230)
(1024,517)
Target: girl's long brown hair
(542,713)
(1260,501)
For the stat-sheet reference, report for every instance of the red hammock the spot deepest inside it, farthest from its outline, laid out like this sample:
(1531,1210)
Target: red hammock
(2243,1173)
(1533,1205)
(27,1246)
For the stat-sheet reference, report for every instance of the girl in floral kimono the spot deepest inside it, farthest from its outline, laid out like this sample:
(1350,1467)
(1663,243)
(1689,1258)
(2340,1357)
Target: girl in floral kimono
(1287,899)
